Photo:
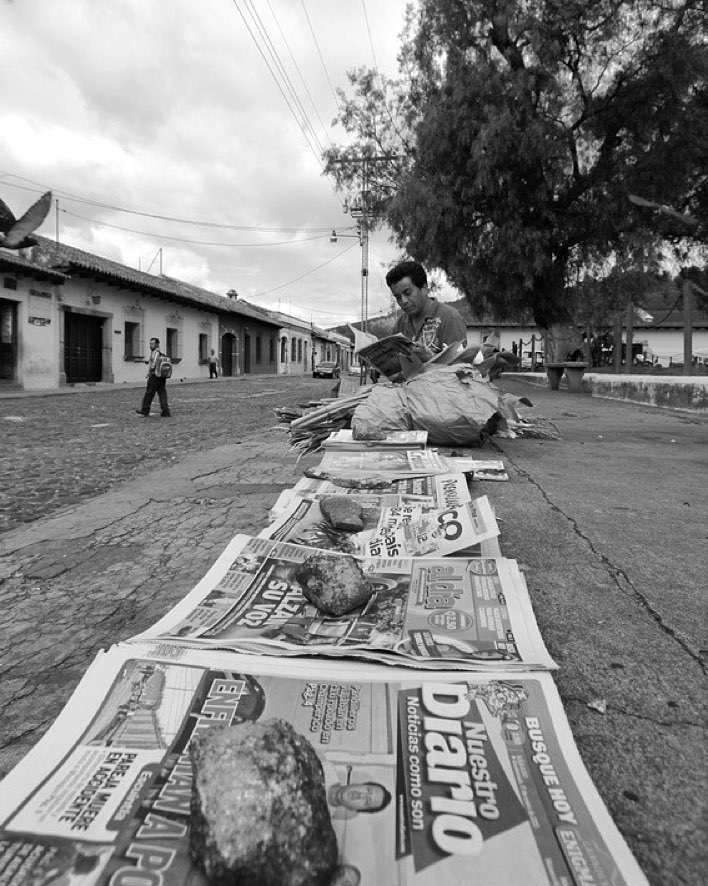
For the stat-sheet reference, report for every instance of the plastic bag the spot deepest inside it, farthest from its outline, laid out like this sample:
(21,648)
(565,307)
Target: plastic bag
(452,403)
(385,409)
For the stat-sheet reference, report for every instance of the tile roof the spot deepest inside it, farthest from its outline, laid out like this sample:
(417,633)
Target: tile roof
(76,262)
(12,261)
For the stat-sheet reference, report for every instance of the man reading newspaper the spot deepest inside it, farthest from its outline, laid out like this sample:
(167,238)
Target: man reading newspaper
(431,325)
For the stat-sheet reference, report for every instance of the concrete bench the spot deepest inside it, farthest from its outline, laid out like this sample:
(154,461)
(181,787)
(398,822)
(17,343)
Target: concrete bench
(573,371)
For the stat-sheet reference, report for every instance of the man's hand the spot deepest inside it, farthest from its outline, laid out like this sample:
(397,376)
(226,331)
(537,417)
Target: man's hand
(421,352)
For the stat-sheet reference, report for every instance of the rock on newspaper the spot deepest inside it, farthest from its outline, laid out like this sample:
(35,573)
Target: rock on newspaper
(435,779)
(432,491)
(425,612)
(393,528)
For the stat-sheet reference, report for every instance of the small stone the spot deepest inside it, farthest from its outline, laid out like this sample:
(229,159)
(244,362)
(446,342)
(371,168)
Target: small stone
(343,512)
(333,582)
(259,814)
(599,705)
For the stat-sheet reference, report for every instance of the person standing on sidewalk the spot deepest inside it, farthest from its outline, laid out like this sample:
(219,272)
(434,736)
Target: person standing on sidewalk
(155,384)
(213,363)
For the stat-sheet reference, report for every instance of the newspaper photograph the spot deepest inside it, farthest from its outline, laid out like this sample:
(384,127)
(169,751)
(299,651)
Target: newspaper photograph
(479,468)
(432,491)
(428,778)
(447,612)
(408,528)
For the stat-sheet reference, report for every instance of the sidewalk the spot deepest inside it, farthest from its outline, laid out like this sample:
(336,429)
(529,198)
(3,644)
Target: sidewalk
(608,524)
(12,391)
(685,392)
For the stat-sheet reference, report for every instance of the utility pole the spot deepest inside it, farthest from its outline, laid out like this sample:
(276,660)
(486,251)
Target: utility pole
(365,212)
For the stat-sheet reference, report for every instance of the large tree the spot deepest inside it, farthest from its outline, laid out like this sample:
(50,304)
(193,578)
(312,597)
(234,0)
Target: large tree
(524,126)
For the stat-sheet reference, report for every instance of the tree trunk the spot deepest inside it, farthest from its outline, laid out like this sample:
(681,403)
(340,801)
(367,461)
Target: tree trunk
(630,338)
(617,343)
(551,314)
(687,327)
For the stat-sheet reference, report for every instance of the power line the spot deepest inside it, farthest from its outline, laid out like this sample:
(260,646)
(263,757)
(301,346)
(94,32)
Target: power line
(276,81)
(368,30)
(280,67)
(319,53)
(302,79)
(193,242)
(73,198)
(306,274)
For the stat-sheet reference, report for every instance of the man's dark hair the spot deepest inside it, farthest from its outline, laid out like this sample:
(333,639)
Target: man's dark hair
(412,269)
(386,795)
(155,338)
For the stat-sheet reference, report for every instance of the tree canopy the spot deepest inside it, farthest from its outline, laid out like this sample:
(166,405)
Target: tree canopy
(521,127)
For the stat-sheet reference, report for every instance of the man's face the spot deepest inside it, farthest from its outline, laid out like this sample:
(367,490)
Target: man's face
(153,344)
(362,796)
(411,300)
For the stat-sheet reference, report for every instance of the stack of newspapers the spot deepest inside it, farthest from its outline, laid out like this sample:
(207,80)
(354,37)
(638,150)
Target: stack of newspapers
(434,701)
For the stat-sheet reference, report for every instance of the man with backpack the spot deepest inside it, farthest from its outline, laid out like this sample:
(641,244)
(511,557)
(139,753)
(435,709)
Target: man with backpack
(159,370)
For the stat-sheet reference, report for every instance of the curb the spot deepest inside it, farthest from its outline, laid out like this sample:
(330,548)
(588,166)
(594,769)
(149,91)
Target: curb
(680,393)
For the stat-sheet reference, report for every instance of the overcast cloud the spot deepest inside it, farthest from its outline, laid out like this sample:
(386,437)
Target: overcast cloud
(166,107)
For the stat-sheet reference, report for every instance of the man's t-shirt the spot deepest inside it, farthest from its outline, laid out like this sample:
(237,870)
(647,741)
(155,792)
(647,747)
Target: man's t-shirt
(437,326)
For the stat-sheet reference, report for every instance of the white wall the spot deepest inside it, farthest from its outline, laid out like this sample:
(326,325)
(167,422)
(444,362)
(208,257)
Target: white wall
(116,305)
(508,336)
(663,343)
(667,344)
(37,335)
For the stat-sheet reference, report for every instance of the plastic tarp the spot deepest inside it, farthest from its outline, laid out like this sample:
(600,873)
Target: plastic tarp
(452,403)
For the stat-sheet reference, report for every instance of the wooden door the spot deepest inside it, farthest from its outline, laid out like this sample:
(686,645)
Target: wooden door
(83,348)
(8,339)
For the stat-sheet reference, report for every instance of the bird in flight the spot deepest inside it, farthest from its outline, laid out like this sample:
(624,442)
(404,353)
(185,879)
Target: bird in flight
(15,233)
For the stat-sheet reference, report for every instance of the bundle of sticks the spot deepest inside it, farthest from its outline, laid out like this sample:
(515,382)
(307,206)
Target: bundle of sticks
(308,430)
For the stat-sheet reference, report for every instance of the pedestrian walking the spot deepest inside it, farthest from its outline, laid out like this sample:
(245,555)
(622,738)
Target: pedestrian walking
(155,383)
(213,363)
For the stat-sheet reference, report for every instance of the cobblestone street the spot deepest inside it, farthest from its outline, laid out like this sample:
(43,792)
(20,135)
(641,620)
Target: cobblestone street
(63,449)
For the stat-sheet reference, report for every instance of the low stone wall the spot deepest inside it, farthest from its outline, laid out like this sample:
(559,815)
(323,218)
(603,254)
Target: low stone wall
(666,391)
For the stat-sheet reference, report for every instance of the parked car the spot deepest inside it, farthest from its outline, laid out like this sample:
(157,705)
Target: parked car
(354,369)
(326,370)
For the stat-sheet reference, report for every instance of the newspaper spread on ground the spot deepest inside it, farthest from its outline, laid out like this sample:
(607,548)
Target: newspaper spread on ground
(392,529)
(424,612)
(343,439)
(429,778)
(388,465)
(433,491)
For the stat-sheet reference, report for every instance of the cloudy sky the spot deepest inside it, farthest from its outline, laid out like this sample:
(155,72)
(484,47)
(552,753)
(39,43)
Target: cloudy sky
(160,129)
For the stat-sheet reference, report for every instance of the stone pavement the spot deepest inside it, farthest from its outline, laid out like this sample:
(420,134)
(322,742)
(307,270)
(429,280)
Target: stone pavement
(609,525)
(63,447)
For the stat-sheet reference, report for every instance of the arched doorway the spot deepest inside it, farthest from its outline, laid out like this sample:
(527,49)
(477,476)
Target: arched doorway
(227,353)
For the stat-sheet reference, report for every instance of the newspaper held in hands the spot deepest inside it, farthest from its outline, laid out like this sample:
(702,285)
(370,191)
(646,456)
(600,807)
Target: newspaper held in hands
(432,612)
(385,354)
(473,775)
(393,356)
